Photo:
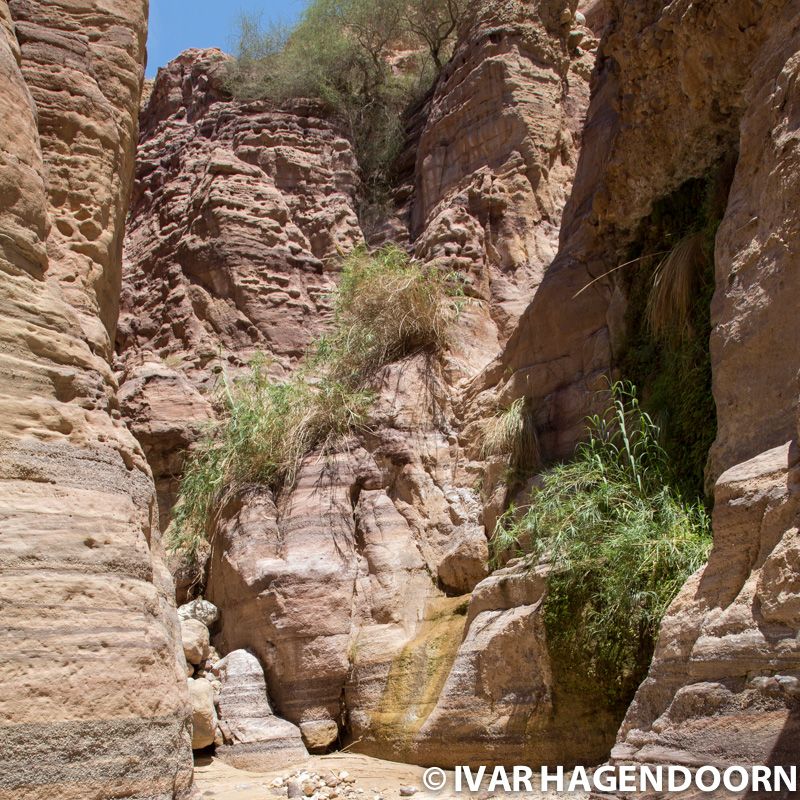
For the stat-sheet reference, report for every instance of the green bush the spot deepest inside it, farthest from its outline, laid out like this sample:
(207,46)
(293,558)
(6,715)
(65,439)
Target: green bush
(387,307)
(340,54)
(620,540)
(266,429)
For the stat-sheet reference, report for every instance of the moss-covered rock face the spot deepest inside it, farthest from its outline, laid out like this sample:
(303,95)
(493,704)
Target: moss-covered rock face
(415,680)
(671,365)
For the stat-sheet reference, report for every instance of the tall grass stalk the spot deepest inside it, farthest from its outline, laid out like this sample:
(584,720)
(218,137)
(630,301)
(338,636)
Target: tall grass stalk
(512,433)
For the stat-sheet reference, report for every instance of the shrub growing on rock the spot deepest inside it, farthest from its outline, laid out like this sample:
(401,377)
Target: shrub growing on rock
(387,307)
(366,60)
(620,541)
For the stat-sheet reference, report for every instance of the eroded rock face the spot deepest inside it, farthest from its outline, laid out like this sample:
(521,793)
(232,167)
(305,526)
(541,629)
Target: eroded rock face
(501,697)
(343,557)
(341,585)
(726,661)
(93,665)
(723,685)
(364,588)
(166,413)
(352,586)
(757,251)
(238,214)
(639,145)
(498,151)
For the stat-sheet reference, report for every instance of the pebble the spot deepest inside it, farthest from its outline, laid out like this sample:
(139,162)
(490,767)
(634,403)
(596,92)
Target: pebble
(408,791)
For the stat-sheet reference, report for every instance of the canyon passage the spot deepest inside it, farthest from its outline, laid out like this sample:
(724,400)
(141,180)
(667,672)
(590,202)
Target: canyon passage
(412,388)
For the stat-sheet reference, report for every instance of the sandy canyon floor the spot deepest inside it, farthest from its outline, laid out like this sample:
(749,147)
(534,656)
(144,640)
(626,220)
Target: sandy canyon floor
(374,777)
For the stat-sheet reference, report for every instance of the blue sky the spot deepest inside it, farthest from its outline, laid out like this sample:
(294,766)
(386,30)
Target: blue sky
(176,25)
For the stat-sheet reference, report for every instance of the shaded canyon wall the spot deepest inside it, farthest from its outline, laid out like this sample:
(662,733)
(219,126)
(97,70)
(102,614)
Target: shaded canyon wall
(678,88)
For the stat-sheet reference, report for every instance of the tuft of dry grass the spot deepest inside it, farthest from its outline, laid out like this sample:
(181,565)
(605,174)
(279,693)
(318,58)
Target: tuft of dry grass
(674,286)
(387,306)
(512,433)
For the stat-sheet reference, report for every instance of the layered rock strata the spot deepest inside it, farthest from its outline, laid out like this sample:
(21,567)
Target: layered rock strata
(353,586)
(498,150)
(679,87)
(363,590)
(93,682)
(639,145)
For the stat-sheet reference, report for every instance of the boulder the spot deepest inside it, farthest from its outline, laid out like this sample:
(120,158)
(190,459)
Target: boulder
(195,640)
(201,610)
(465,562)
(204,716)
(254,737)
(319,734)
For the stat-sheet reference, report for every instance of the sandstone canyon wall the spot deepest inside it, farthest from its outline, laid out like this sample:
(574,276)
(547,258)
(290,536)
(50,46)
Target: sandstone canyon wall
(237,216)
(365,590)
(677,88)
(360,590)
(94,701)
